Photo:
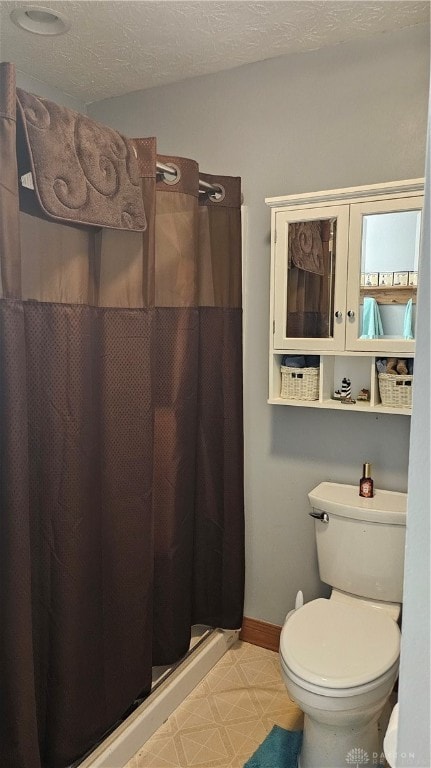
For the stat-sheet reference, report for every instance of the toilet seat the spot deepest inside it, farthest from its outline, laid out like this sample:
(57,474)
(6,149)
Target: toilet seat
(346,694)
(333,645)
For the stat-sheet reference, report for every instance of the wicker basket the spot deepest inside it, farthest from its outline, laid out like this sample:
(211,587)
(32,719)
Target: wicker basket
(299,383)
(395,391)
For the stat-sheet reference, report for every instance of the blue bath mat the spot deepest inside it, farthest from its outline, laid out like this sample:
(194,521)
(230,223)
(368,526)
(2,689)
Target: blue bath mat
(280,749)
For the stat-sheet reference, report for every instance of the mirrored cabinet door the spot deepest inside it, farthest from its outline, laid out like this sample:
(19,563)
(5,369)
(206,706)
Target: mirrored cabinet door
(310,278)
(384,248)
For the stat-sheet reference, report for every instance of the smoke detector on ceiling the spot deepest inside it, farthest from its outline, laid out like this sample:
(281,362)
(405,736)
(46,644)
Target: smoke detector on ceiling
(39,20)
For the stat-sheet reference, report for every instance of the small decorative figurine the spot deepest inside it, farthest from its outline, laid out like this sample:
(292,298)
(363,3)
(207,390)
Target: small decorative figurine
(346,389)
(364,394)
(346,392)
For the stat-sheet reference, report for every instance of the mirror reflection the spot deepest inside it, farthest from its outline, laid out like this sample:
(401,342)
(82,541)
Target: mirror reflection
(310,278)
(389,264)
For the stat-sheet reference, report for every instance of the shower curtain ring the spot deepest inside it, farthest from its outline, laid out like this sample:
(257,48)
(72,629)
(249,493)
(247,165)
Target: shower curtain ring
(176,173)
(218,195)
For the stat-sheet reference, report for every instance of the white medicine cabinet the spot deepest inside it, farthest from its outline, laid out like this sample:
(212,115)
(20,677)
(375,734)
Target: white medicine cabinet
(343,284)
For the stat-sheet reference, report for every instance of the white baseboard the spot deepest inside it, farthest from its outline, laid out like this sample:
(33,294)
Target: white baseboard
(120,746)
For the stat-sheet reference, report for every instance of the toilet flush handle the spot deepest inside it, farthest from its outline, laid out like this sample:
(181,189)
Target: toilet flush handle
(323,516)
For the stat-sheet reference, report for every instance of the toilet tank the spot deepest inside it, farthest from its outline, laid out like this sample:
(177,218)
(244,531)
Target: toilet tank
(360,548)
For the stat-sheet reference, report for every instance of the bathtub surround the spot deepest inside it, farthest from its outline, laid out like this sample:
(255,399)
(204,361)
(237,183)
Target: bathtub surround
(121,435)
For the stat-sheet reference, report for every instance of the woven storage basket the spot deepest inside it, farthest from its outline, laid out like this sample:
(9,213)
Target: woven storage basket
(299,383)
(395,391)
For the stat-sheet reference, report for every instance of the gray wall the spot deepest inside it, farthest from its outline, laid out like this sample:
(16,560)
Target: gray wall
(414,691)
(340,116)
(29,83)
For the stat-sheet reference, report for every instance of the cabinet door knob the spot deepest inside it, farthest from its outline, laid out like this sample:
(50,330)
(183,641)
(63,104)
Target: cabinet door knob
(338,314)
(350,313)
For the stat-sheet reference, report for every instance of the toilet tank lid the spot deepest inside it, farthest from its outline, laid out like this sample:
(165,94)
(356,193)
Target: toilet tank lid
(344,500)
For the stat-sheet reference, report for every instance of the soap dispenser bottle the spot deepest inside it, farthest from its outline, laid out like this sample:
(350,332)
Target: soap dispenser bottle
(366,483)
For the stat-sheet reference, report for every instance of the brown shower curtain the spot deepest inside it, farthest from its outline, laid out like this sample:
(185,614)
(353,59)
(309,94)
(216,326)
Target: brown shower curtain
(121,431)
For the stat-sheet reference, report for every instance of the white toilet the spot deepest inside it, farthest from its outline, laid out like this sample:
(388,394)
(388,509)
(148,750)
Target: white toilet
(339,657)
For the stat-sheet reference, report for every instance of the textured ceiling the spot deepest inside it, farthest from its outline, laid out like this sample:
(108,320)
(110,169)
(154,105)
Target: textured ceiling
(117,47)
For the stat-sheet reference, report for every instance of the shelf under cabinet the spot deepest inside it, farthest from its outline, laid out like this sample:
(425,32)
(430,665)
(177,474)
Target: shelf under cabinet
(359,368)
(335,405)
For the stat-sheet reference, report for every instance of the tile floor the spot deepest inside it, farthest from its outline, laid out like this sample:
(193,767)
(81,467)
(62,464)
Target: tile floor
(223,721)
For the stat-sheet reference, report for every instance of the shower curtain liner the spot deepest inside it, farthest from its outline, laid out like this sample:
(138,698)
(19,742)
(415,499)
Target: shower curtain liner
(121,423)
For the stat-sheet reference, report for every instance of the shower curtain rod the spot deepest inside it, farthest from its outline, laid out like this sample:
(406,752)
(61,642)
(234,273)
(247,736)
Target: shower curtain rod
(203,185)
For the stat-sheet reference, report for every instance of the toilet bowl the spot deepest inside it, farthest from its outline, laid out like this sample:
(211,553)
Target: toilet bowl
(339,662)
